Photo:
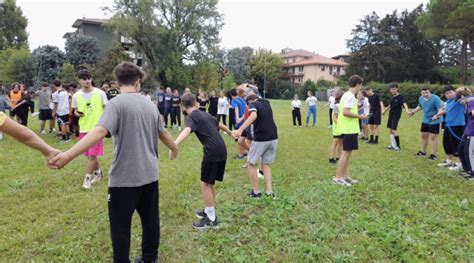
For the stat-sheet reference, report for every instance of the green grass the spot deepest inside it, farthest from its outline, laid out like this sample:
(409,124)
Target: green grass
(403,209)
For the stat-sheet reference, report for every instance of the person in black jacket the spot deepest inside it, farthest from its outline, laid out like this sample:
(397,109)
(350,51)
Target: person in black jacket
(213,100)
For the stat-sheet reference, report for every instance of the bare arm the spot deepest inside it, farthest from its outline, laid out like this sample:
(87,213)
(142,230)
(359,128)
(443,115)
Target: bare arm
(417,109)
(406,108)
(225,129)
(167,140)
(386,109)
(347,112)
(251,119)
(382,107)
(183,135)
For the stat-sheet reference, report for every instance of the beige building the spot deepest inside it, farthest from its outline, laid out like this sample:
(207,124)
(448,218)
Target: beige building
(301,65)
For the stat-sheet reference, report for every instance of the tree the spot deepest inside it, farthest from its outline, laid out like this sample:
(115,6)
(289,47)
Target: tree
(205,76)
(15,66)
(68,73)
(47,63)
(451,19)
(169,32)
(103,72)
(229,82)
(265,66)
(81,49)
(236,61)
(12,26)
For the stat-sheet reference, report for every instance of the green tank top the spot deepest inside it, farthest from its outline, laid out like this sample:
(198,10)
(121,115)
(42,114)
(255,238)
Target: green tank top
(92,111)
(346,125)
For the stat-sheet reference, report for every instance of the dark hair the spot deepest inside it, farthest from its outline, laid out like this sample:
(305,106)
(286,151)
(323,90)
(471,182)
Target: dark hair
(188,100)
(252,97)
(127,73)
(393,85)
(56,83)
(338,96)
(354,80)
(84,74)
(233,92)
(425,88)
(45,84)
(448,88)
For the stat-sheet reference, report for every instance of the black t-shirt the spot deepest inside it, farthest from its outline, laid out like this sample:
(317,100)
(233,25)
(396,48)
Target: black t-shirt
(207,131)
(161,100)
(264,127)
(168,101)
(213,105)
(396,105)
(176,100)
(112,93)
(374,102)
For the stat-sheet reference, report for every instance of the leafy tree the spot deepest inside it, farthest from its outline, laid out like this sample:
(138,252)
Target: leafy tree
(169,32)
(15,66)
(205,76)
(103,72)
(265,66)
(12,26)
(68,73)
(229,82)
(236,61)
(47,63)
(81,49)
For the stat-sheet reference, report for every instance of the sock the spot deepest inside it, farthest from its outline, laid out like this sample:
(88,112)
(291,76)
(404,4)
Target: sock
(211,214)
(371,138)
(397,140)
(392,141)
(269,193)
(1,136)
(376,138)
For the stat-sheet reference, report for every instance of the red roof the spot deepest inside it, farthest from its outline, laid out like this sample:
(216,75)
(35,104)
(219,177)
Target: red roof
(297,53)
(317,60)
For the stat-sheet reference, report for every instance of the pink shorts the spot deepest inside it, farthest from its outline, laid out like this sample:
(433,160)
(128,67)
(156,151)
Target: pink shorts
(96,150)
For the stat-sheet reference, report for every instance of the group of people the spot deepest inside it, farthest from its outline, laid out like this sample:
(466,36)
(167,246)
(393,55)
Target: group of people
(136,125)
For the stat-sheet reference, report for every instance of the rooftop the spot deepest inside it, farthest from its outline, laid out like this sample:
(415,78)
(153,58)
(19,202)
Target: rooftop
(287,53)
(318,60)
(93,21)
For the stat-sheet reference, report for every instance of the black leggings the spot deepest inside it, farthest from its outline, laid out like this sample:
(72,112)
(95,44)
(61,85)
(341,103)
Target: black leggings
(167,114)
(296,116)
(330,116)
(231,118)
(176,116)
(123,201)
(223,116)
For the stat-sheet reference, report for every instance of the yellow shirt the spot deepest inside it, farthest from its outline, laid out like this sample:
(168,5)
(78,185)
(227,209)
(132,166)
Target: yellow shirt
(3,117)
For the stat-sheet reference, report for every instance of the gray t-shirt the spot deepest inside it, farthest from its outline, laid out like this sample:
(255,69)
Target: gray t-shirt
(135,123)
(44,99)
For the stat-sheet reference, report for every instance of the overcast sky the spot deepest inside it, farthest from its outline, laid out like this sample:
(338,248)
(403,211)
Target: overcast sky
(319,26)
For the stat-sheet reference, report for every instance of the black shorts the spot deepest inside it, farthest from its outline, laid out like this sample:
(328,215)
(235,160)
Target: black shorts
(212,171)
(375,118)
(350,142)
(392,122)
(337,136)
(430,128)
(63,119)
(45,115)
(450,142)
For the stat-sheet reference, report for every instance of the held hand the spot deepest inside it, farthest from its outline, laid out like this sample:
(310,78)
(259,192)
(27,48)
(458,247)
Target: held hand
(411,113)
(59,161)
(363,117)
(50,156)
(435,117)
(172,154)
(236,134)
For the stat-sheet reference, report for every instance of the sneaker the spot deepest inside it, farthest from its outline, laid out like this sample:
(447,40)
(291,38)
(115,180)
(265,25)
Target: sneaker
(87,182)
(43,132)
(464,174)
(34,114)
(470,178)
(397,149)
(446,163)
(201,214)
(432,157)
(332,160)
(420,153)
(389,148)
(205,223)
(272,195)
(245,165)
(139,260)
(260,174)
(179,128)
(351,181)
(239,157)
(53,131)
(254,195)
(340,181)
(456,167)
(97,176)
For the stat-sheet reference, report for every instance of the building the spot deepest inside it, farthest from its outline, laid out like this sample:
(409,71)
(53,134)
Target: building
(96,28)
(344,57)
(301,65)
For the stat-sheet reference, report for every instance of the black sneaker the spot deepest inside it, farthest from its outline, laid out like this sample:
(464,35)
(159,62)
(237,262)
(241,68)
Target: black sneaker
(420,153)
(239,157)
(139,260)
(201,214)
(254,195)
(333,161)
(369,141)
(205,223)
(432,157)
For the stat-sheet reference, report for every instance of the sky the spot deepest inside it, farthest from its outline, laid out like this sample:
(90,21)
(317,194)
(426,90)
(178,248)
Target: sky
(318,26)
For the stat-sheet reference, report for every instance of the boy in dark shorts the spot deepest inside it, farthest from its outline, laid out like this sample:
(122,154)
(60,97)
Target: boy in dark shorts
(376,109)
(136,125)
(396,106)
(206,129)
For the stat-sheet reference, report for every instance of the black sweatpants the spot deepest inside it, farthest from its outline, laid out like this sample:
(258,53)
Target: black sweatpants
(168,111)
(223,117)
(123,201)
(330,116)
(176,116)
(231,118)
(296,112)
(466,147)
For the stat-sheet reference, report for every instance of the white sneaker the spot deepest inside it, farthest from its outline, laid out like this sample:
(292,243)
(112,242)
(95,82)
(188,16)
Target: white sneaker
(456,167)
(87,182)
(53,131)
(97,176)
(42,132)
(244,165)
(351,181)
(445,163)
(340,182)
(34,114)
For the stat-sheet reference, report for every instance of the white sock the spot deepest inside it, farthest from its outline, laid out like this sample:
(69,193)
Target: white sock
(1,136)
(210,213)
(393,141)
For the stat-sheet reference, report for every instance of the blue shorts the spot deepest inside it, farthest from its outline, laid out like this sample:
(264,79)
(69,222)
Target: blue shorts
(366,121)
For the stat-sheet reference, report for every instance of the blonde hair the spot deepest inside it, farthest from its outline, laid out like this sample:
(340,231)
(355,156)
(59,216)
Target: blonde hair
(463,91)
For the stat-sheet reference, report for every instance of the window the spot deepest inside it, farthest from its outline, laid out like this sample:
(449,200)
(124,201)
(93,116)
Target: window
(300,69)
(323,67)
(338,70)
(330,70)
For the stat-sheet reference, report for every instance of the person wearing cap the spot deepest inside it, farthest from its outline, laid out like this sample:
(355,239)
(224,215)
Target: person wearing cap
(396,106)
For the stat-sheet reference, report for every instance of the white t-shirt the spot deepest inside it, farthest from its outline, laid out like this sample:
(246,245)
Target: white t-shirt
(54,97)
(311,101)
(87,96)
(332,102)
(366,106)
(62,100)
(223,106)
(296,104)
(148,97)
(347,100)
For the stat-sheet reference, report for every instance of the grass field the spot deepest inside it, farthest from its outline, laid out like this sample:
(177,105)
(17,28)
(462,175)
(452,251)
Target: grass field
(404,208)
